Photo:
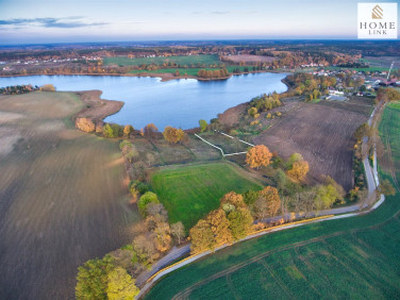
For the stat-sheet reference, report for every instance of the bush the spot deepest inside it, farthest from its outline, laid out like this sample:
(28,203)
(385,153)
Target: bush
(48,88)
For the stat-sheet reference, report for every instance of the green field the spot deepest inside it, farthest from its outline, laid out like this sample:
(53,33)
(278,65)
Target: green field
(357,257)
(390,129)
(369,69)
(189,193)
(205,60)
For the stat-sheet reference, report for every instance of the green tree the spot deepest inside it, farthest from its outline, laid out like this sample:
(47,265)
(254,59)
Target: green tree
(108,131)
(250,197)
(326,196)
(121,286)
(240,223)
(203,125)
(148,197)
(92,278)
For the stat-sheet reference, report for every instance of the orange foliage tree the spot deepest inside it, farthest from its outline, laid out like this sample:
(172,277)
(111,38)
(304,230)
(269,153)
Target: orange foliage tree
(299,170)
(234,199)
(258,156)
(173,135)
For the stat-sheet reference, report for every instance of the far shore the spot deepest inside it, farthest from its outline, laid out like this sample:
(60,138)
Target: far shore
(162,76)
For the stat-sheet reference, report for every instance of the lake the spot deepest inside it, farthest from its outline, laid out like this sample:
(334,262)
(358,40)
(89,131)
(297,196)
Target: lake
(179,103)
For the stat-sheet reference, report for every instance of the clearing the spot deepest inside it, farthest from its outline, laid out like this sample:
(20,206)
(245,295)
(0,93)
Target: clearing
(190,192)
(62,196)
(347,258)
(323,134)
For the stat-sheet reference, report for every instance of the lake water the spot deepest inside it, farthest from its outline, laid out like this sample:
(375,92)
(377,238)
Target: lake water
(179,103)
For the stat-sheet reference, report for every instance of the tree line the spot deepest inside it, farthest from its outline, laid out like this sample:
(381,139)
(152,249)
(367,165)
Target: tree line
(23,89)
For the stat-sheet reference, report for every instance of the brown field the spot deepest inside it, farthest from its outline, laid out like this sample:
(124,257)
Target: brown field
(62,196)
(248,58)
(322,133)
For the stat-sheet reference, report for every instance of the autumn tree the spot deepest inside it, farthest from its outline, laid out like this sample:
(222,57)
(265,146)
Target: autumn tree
(299,170)
(171,134)
(121,285)
(387,94)
(128,129)
(234,199)
(203,125)
(162,236)
(150,130)
(178,231)
(202,237)
(267,203)
(145,249)
(258,156)
(220,227)
(182,136)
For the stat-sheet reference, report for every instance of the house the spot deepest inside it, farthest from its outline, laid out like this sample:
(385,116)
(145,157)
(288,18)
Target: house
(335,93)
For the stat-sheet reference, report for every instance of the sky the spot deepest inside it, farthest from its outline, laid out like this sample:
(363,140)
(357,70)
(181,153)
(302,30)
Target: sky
(53,21)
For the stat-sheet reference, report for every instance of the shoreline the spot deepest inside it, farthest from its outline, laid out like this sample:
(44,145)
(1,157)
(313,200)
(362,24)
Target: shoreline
(102,108)
(164,77)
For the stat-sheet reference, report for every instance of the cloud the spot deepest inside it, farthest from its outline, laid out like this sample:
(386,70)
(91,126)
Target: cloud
(220,12)
(69,22)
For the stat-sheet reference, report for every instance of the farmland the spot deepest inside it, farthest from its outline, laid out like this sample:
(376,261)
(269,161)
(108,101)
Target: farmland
(205,60)
(62,196)
(322,133)
(189,193)
(348,258)
(390,129)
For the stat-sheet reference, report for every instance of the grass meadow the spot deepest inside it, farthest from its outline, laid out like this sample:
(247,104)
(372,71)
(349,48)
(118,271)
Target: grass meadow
(206,60)
(190,192)
(349,258)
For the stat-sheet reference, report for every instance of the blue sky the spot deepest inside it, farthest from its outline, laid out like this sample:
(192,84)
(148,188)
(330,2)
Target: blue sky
(38,21)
